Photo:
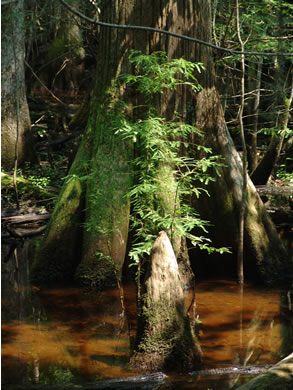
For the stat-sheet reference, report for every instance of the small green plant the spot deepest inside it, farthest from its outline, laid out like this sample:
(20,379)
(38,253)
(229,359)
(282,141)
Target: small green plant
(283,174)
(155,73)
(165,179)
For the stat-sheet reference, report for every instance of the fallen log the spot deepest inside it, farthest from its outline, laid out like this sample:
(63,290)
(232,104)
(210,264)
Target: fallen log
(279,377)
(23,226)
(26,232)
(27,218)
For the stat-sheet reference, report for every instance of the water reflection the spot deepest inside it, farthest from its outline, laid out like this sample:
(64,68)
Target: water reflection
(70,335)
(57,335)
(240,327)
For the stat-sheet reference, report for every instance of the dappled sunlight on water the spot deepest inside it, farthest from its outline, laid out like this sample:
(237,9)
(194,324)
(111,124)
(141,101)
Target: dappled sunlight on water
(238,326)
(73,329)
(72,336)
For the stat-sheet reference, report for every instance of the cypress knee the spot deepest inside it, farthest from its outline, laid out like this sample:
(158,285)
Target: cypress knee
(165,338)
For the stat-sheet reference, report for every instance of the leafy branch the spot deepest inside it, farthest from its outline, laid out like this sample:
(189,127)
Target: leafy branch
(165,179)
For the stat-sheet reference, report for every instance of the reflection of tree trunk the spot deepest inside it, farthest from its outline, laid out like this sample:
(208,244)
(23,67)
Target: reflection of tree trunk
(36,370)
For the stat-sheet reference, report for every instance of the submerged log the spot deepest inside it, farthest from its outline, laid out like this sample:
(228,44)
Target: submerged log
(140,382)
(165,339)
(279,377)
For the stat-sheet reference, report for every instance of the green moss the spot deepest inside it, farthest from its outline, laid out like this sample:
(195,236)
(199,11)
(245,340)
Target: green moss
(26,189)
(165,338)
(98,274)
(57,256)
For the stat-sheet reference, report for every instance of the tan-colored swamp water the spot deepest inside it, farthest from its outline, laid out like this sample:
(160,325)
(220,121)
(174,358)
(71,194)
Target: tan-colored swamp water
(70,336)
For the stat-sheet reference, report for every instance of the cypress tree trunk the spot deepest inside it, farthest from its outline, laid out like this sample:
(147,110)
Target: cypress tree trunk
(104,156)
(16,139)
(264,254)
(103,161)
(103,171)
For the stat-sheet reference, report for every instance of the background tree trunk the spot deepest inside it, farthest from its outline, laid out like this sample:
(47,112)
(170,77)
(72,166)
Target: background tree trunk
(254,84)
(16,139)
(264,170)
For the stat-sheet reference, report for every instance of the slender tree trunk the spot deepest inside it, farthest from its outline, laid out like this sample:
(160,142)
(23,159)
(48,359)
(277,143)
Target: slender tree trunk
(282,105)
(244,157)
(254,84)
(16,140)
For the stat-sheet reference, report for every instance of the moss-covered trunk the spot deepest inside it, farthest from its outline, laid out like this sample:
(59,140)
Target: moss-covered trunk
(107,206)
(169,198)
(102,165)
(94,229)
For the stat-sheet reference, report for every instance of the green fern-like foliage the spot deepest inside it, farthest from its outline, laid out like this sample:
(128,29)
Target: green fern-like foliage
(164,178)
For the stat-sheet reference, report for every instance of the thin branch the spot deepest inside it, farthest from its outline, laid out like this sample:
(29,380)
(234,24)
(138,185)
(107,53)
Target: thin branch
(271,38)
(43,85)
(8,2)
(172,34)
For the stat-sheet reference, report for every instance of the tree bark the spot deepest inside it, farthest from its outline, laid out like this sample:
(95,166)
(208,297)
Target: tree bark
(254,84)
(16,139)
(263,171)
(64,61)
(264,254)
(102,163)
(165,339)
(102,173)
